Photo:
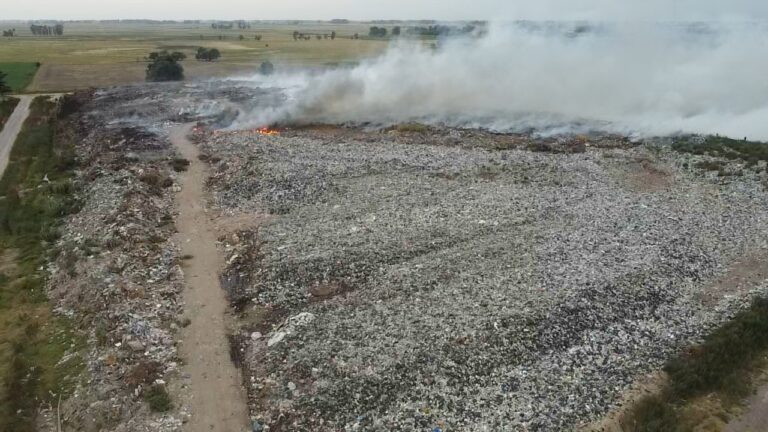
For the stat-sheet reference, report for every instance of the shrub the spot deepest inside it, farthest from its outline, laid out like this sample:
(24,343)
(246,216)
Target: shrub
(158,399)
(179,164)
(267,68)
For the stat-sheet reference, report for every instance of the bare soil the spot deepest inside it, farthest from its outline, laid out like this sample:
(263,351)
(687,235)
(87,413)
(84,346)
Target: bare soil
(755,417)
(215,395)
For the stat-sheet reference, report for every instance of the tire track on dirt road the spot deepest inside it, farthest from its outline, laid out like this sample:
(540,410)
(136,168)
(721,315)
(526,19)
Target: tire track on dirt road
(216,398)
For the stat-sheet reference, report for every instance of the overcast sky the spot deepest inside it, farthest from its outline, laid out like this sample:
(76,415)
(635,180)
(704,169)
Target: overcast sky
(387,9)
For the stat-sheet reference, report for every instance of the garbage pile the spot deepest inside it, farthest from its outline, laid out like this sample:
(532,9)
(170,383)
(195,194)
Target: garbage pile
(117,275)
(484,282)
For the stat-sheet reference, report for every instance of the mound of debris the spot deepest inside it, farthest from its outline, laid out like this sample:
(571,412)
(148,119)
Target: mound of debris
(117,273)
(487,282)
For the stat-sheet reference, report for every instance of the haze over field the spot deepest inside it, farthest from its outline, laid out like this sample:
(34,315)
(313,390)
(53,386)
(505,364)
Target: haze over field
(390,9)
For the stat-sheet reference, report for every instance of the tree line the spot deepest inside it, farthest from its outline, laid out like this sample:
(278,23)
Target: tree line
(46,30)
(166,66)
(440,30)
(307,36)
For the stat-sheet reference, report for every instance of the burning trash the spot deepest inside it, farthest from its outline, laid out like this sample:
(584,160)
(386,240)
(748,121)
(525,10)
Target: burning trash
(267,131)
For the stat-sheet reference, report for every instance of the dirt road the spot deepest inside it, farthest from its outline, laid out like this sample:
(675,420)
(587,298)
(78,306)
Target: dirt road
(12,129)
(216,397)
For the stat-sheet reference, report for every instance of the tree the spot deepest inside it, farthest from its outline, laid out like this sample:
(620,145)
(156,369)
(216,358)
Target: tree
(333,35)
(241,37)
(396,31)
(295,35)
(4,88)
(377,32)
(267,68)
(46,30)
(165,66)
(207,54)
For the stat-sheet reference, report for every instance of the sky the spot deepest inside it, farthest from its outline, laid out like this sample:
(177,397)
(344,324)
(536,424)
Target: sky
(388,9)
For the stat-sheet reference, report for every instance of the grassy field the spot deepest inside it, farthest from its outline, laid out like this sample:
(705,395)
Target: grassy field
(33,341)
(19,74)
(100,54)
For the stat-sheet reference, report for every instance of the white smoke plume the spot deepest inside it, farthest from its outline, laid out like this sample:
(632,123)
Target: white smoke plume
(642,79)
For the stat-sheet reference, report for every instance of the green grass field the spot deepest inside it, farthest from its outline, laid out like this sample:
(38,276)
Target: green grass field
(33,340)
(19,74)
(96,54)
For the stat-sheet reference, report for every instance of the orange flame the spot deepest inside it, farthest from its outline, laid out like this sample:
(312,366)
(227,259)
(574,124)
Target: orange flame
(267,131)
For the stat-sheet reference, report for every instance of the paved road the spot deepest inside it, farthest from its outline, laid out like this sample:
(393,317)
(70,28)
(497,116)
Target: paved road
(12,129)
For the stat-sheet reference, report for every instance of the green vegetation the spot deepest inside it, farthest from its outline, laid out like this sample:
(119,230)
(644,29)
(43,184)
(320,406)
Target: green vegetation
(165,66)
(158,399)
(4,88)
(267,68)
(179,164)
(208,54)
(19,74)
(377,32)
(716,146)
(7,106)
(33,341)
(100,54)
(721,367)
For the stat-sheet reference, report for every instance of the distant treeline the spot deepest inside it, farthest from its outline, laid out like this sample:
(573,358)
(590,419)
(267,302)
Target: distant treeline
(229,25)
(440,30)
(46,30)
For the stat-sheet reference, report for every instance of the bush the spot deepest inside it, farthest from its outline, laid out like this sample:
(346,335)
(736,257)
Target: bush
(158,399)
(207,54)
(267,68)
(179,164)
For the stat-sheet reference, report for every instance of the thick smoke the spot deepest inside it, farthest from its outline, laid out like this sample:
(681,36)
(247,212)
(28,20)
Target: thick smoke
(648,79)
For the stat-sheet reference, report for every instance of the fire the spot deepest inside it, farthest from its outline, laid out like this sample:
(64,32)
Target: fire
(267,131)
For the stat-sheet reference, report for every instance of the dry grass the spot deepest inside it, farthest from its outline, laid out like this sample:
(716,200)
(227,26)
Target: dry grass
(98,55)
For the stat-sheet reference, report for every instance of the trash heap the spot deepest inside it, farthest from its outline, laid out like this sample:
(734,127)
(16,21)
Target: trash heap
(117,276)
(480,283)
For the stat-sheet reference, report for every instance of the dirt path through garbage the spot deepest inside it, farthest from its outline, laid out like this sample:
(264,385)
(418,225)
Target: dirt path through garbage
(216,398)
(11,130)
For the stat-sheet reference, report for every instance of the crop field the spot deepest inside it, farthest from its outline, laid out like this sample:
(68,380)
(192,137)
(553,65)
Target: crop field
(97,54)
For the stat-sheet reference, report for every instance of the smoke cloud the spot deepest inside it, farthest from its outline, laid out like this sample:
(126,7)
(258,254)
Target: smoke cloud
(641,79)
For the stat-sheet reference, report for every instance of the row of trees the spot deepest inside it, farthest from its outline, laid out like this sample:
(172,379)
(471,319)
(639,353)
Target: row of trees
(242,25)
(166,66)
(440,30)
(46,30)
(307,36)
(222,26)
(9,33)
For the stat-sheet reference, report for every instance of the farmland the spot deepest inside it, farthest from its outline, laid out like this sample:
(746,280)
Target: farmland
(99,54)
(19,74)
